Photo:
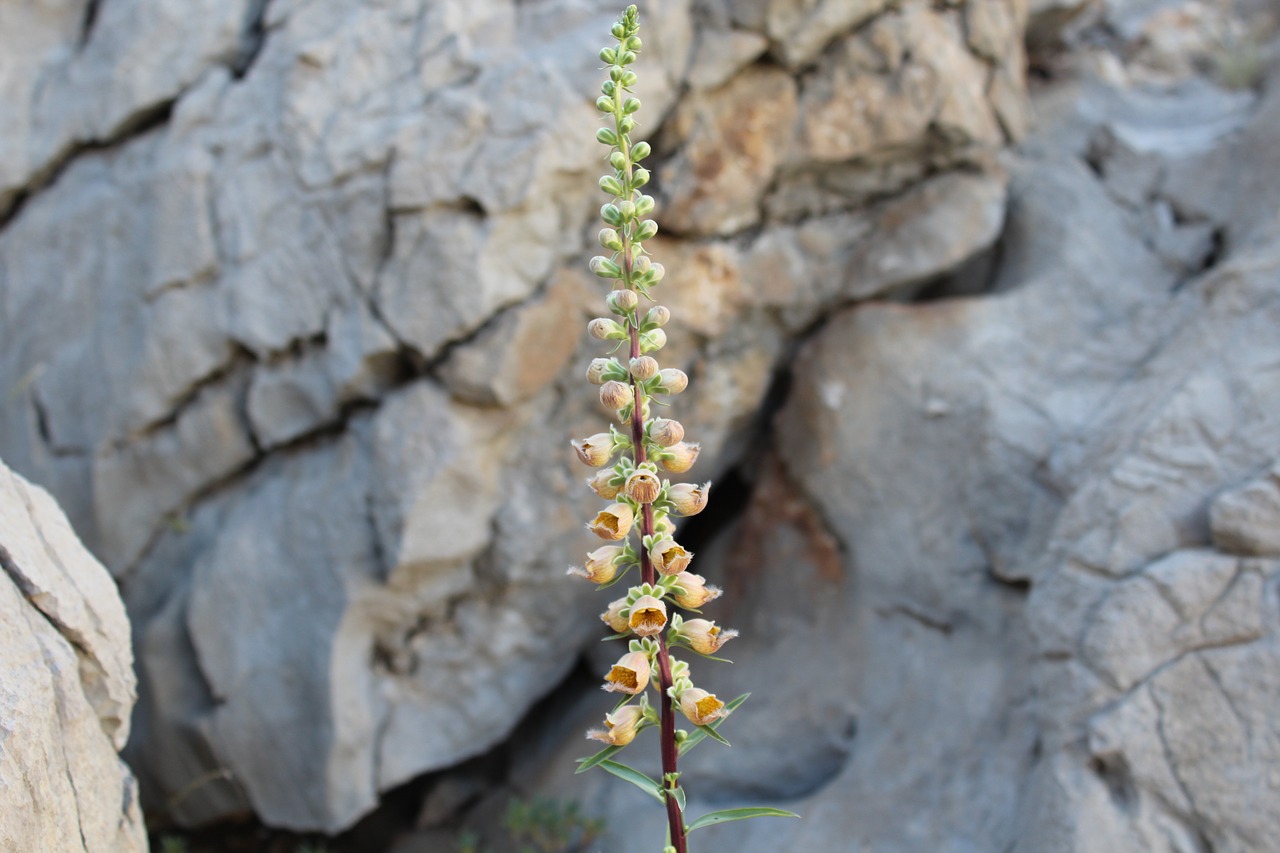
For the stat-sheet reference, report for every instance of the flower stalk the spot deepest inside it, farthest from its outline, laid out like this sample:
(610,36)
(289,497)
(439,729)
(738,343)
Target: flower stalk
(641,503)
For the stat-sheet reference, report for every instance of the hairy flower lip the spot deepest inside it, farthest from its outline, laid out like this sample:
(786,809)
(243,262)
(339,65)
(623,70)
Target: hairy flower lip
(668,557)
(614,618)
(692,591)
(629,675)
(601,486)
(601,565)
(700,707)
(680,456)
(595,450)
(648,616)
(689,498)
(620,727)
(704,636)
(613,522)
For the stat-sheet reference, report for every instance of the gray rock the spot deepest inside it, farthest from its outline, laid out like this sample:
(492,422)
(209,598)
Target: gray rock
(66,687)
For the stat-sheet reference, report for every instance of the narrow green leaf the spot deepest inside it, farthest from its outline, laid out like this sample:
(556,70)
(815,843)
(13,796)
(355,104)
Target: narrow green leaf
(699,734)
(635,777)
(714,735)
(585,764)
(615,637)
(736,814)
(678,793)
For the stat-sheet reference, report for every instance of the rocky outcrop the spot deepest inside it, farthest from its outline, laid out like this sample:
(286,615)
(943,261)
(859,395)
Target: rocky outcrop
(66,687)
(288,328)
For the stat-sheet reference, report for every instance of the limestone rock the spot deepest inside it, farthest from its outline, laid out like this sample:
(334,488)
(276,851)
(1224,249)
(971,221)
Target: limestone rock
(66,687)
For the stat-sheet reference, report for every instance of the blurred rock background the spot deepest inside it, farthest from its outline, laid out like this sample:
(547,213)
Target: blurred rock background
(979,301)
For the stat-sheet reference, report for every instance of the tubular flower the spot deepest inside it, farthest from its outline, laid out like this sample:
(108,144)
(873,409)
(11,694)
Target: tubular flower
(630,674)
(648,616)
(680,457)
(688,498)
(703,636)
(601,486)
(620,727)
(615,618)
(595,450)
(601,565)
(692,591)
(614,395)
(613,522)
(701,707)
(668,557)
(642,486)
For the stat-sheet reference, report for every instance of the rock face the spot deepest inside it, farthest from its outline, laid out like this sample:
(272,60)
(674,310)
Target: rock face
(292,321)
(293,327)
(66,687)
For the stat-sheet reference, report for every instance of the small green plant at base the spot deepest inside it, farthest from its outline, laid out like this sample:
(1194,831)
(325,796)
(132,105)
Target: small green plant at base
(642,502)
(550,826)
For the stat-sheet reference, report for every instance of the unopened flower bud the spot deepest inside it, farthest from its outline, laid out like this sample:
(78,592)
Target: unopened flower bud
(701,707)
(644,367)
(614,617)
(622,301)
(659,315)
(652,340)
(643,486)
(641,264)
(692,591)
(595,450)
(605,329)
(605,268)
(674,380)
(647,229)
(599,369)
(648,616)
(601,486)
(664,527)
(620,727)
(704,636)
(614,395)
(617,159)
(639,151)
(630,674)
(689,498)
(604,104)
(609,239)
(640,178)
(666,432)
(644,205)
(601,565)
(668,557)
(680,456)
(613,522)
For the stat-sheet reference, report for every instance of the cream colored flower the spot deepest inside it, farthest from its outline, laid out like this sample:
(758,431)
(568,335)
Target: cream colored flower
(595,450)
(614,395)
(673,380)
(613,522)
(648,616)
(689,498)
(680,457)
(669,557)
(629,675)
(601,486)
(614,617)
(643,486)
(701,707)
(692,591)
(620,727)
(601,565)
(704,636)
(666,432)
(644,367)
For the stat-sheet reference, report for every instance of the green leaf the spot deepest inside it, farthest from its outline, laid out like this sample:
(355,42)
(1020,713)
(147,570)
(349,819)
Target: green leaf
(678,793)
(714,735)
(585,764)
(635,777)
(701,732)
(615,637)
(736,814)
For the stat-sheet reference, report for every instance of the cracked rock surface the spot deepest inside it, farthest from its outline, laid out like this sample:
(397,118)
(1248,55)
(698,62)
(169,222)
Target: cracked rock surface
(66,687)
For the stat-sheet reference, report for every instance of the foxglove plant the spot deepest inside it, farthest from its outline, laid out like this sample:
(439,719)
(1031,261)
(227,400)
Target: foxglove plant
(641,501)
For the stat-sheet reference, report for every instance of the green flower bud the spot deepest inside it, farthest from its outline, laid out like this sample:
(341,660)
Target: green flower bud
(627,125)
(609,239)
(607,87)
(616,73)
(659,315)
(622,301)
(627,57)
(634,43)
(639,151)
(611,214)
(645,230)
(608,54)
(605,268)
(627,210)
(644,205)
(618,160)
(606,136)
(611,185)
(631,106)
(641,265)
(604,329)
(652,340)
(619,30)
(627,79)
(604,104)
(640,177)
